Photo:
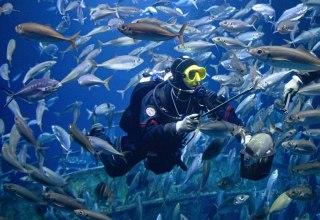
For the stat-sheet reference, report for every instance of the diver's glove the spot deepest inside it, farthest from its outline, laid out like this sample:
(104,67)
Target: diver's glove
(246,139)
(292,87)
(189,123)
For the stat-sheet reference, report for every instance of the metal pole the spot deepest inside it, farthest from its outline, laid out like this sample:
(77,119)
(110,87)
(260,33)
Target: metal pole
(229,100)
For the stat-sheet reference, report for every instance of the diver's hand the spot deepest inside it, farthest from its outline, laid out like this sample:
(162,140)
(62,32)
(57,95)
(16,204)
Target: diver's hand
(246,139)
(292,87)
(189,123)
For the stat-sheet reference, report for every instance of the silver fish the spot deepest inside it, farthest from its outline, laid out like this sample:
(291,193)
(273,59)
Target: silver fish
(303,193)
(285,57)
(221,129)
(310,90)
(85,214)
(62,201)
(124,62)
(23,192)
(41,107)
(11,158)
(193,47)
(306,169)
(90,80)
(10,49)
(303,118)
(36,90)
(82,68)
(37,69)
(62,136)
(300,147)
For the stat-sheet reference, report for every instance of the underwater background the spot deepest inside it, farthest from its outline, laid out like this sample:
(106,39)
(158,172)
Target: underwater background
(141,194)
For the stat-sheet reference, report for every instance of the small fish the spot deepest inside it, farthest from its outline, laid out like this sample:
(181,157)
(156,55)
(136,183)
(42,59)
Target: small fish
(234,25)
(310,90)
(11,158)
(37,69)
(23,192)
(213,149)
(284,57)
(44,33)
(282,202)
(62,136)
(105,145)
(123,62)
(221,129)
(10,49)
(303,193)
(303,118)
(90,80)
(87,214)
(62,201)
(82,140)
(145,31)
(306,169)
(41,107)
(36,90)
(103,192)
(300,147)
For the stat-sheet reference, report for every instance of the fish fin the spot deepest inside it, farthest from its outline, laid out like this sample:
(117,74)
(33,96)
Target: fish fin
(106,82)
(172,20)
(72,40)
(180,34)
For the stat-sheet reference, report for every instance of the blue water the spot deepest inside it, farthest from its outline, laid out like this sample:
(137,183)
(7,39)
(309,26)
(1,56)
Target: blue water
(27,55)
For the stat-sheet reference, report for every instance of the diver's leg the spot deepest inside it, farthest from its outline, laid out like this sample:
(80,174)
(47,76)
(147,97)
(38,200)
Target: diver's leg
(114,164)
(118,166)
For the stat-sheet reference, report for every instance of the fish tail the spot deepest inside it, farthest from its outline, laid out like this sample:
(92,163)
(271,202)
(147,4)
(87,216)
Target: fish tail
(100,44)
(124,154)
(10,93)
(117,12)
(121,92)
(77,59)
(180,34)
(72,40)
(106,82)
(90,114)
(288,42)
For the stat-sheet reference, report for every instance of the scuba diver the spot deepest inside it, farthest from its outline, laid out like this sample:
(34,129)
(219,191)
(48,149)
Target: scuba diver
(160,115)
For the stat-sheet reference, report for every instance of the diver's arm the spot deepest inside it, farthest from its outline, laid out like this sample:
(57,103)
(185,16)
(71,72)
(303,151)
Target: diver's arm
(226,112)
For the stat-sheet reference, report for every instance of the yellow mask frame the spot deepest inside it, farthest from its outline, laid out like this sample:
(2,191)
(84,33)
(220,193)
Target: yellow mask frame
(194,74)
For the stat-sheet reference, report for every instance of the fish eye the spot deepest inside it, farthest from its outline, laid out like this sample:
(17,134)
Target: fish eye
(129,29)
(259,51)
(123,27)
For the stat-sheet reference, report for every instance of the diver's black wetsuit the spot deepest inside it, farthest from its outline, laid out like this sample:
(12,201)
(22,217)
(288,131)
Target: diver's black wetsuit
(309,77)
(156,139)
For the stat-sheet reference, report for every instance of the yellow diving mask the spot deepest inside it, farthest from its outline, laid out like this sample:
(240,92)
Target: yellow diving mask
(193,75)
